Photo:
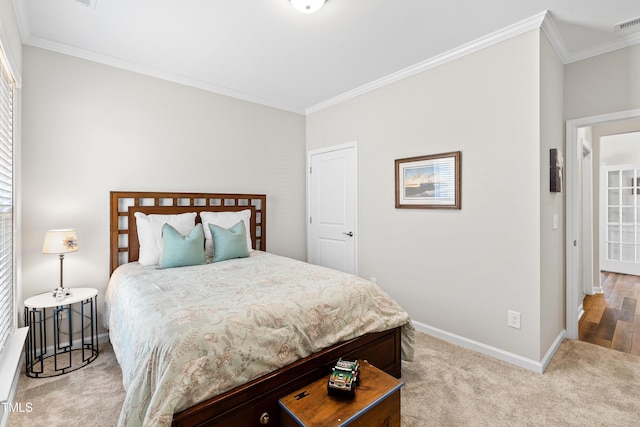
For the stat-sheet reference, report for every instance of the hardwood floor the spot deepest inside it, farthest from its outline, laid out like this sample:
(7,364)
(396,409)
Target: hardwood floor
(612,319)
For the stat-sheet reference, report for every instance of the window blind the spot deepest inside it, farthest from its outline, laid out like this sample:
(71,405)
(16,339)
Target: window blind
(7,291)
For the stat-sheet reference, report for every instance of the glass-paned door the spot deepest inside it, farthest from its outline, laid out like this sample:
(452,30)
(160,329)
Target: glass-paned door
(620,219)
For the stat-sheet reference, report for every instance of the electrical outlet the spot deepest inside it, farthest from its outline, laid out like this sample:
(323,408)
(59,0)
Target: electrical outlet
(373,279)
(513,319)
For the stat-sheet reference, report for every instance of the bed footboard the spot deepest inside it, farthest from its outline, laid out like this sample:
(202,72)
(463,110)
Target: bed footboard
(256,403)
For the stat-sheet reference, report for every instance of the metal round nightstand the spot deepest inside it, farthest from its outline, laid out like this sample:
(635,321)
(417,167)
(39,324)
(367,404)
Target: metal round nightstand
(75,315)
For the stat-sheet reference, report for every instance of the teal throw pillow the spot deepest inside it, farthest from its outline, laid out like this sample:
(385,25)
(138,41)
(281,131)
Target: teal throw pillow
(179,250)
(229,243)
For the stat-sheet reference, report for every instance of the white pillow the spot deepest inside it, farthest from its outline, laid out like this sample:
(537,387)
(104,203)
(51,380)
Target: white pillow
(225,219)
(150,233)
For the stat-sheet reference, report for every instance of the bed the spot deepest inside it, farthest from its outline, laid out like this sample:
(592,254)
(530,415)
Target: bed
(179,335)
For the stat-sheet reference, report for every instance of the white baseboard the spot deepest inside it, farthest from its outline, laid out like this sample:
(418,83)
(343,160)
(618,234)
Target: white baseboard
(102,338)
(514,359)
(552,350)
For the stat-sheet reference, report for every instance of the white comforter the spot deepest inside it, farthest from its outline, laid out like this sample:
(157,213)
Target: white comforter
(183,335)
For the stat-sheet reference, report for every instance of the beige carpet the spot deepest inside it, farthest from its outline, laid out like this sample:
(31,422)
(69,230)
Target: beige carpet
(446,385)
(90,396)
(584,385)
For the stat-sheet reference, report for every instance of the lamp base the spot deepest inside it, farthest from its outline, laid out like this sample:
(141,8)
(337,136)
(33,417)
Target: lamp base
(61,293)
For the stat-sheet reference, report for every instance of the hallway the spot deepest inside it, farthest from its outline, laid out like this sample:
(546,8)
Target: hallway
(612,319)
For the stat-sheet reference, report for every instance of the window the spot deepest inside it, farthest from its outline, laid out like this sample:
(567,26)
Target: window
(7,291)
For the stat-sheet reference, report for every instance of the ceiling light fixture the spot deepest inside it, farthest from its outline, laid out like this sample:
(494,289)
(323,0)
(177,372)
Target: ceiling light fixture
(87,3)
(307,6)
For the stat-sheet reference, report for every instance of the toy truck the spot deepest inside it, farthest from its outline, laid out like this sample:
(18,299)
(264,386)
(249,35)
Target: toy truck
(344,377)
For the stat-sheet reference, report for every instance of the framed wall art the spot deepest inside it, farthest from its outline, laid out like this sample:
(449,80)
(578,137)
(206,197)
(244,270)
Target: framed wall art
(429,182)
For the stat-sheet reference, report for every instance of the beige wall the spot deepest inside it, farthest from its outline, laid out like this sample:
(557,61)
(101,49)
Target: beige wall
(458,271)
(552,287)
(90,129)
(603,84)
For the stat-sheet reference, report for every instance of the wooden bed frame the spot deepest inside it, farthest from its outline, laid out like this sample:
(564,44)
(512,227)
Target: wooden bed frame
(256,402)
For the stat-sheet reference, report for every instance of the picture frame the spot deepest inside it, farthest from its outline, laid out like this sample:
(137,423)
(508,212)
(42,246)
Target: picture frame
(429,182)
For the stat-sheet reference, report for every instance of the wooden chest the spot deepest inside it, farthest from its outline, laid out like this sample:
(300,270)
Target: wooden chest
(376,403)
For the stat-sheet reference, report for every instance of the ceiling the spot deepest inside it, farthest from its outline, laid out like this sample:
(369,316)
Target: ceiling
(264,51)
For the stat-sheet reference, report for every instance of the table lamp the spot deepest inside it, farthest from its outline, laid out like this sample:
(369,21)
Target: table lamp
(60,242)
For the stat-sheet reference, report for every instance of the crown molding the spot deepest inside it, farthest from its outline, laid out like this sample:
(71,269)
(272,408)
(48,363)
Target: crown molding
(153,72)
(553,35)
(19,7)
(8,61)
(603,48)
(543,20)
(466,49)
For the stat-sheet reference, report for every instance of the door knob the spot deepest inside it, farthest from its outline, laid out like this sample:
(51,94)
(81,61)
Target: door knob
(350,234)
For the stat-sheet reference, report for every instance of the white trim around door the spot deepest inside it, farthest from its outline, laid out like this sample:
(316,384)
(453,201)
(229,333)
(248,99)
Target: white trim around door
(574,308)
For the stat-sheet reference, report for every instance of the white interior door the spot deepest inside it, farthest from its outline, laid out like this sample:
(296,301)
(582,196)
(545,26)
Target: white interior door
(332,207)
(620,230)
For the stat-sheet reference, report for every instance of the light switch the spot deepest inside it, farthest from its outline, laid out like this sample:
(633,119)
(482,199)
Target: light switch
(555,221)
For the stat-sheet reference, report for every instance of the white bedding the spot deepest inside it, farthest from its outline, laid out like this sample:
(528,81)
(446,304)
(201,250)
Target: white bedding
(183,335)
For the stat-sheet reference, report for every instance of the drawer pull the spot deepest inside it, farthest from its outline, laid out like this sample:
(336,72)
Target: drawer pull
(264,418)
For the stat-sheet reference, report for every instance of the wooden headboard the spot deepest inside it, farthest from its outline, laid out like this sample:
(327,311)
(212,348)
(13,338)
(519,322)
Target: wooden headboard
(124,245)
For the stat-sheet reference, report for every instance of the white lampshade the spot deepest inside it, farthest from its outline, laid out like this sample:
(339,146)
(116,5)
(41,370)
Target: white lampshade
(307,6)
(60,241)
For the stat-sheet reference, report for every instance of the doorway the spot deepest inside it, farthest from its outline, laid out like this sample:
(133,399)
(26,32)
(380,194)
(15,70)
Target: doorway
(574,245)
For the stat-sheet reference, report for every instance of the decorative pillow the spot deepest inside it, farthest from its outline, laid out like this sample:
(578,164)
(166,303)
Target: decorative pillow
(179,250)
(226,219)
(229,243)
(150,233)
